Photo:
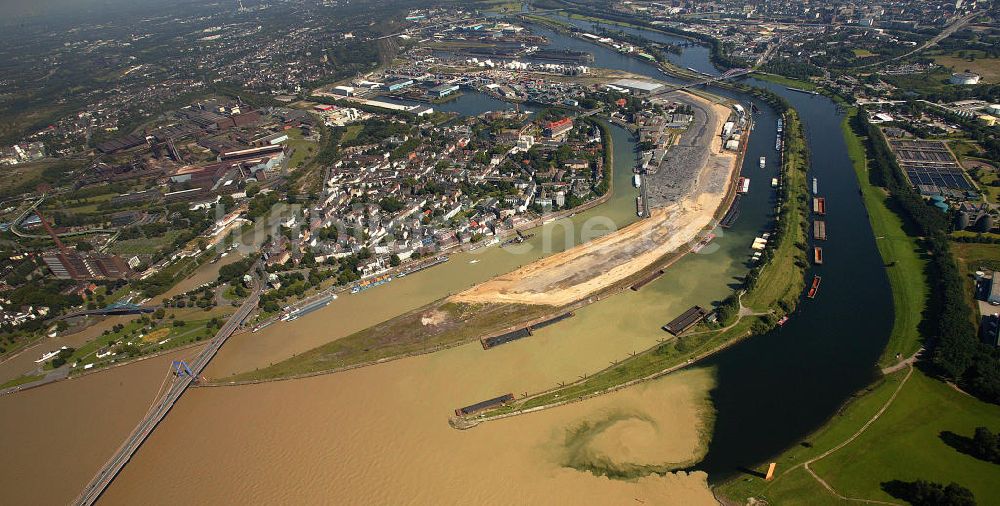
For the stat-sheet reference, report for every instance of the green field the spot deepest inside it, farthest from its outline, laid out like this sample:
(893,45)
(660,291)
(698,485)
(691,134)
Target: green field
(989,68)
(903,258)
(904,443)
(786,81)
(144,245)
(21,380)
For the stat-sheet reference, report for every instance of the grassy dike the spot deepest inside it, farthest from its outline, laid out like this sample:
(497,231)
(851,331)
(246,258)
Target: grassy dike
(772,289)
(905,265)
(894,429)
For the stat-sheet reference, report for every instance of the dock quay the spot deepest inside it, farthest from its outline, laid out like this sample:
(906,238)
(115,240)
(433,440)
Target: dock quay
(686,320)
(437,261)
(480,406)
(819,205)
(732,214)
(514,335)
(819,230)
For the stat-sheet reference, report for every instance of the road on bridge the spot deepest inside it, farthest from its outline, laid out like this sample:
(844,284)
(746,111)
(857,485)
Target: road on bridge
(113,466)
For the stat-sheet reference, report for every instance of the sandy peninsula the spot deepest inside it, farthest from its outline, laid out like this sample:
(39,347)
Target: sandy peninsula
(578,272)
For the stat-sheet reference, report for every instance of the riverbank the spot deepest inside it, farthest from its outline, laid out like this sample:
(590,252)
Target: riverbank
(890,430)
(767,290)
(905,266)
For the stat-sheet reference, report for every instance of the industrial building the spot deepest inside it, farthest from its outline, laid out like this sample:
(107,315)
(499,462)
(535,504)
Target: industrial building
(74,265)
(399,84)
(443,90)
(346,91)
(964,78)
(637,87)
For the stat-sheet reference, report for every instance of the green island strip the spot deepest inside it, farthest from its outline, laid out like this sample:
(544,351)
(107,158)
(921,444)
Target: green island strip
(771,290)
(903,426)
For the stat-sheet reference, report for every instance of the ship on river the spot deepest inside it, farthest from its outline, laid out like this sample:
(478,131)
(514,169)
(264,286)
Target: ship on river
(371,283)
(308,308)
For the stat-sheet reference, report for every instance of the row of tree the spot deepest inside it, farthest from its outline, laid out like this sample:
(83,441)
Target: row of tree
(957,351)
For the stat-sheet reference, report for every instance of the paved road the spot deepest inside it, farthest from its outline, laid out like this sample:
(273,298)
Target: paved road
(950,29)
(111,469)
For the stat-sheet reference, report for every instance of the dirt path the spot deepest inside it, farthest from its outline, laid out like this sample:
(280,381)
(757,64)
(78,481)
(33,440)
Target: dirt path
(849,440)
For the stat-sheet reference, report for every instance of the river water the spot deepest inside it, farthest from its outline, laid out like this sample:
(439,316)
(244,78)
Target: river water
(774,389)
(379,434)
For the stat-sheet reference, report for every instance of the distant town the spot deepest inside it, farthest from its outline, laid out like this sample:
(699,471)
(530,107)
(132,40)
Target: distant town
(176,175)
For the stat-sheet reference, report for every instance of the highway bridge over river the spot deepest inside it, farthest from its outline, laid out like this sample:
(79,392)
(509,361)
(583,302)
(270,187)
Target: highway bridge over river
(112,467)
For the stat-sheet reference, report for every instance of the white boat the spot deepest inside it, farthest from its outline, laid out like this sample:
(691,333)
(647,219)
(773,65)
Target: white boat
(762,162)
(46,356)
(744,184)
(815,187)
(774,182)
(476,261)
(637,180)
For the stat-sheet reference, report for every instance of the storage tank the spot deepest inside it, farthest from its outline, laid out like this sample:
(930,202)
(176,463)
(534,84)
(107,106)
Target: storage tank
(963,221)
(984,223)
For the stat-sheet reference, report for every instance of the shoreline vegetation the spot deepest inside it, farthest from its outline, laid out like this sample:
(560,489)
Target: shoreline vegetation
(766,297)
(905,415)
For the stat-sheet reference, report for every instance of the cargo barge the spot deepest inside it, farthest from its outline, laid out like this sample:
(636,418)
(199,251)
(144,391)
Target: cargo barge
(817,255)
(309,308)
(490,342)
(814,289)
(640,209)
(480,406)
(647,280)
(819,230)
(371,283)
(637,181)
(686,320)
(732,214)
(777,139)
(819,205)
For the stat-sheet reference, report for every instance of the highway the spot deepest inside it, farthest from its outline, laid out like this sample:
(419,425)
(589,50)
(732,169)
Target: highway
(113,466)
(948,30)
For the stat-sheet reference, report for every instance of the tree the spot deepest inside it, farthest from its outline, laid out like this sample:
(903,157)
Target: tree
(394,261)
(925,493)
